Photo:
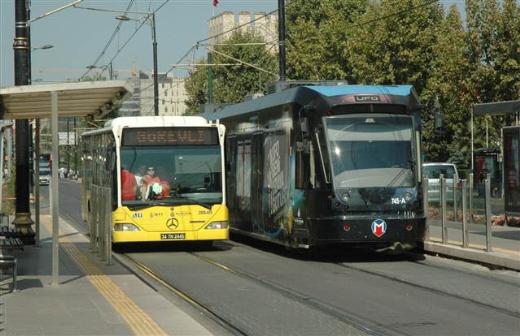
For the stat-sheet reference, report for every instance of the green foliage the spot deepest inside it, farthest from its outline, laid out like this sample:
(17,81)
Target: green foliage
(317,38)
(396,42)
(232,83)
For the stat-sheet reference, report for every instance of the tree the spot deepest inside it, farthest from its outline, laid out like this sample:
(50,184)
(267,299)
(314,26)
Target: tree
(253,66)
(393,43)
(448,82)
(494,53)
(317,36)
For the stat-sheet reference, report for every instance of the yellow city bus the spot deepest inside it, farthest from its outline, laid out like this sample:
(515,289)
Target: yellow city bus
(166,175)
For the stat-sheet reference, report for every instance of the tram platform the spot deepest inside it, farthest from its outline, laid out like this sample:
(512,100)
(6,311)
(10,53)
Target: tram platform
(90,298)
(505,244)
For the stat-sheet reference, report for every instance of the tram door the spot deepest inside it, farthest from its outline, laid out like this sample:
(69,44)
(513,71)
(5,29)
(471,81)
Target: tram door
(257,181)
(275,183)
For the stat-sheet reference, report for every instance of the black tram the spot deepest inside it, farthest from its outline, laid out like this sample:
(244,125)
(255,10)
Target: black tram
(316,165)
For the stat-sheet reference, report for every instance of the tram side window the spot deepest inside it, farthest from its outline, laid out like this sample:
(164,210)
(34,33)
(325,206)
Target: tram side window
(243,190)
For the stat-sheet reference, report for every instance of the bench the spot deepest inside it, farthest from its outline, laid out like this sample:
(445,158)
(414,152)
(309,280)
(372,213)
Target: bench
(8,243)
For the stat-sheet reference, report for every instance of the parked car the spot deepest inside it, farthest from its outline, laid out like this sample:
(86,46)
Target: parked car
(45,176)
(433,171)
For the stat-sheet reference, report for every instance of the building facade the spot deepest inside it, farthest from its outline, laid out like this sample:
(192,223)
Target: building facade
(220,26)
(172,96)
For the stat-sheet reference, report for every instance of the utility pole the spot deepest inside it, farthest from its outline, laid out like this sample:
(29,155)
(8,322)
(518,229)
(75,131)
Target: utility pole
(281,38)
(22,220)
(210,78)
(155,75)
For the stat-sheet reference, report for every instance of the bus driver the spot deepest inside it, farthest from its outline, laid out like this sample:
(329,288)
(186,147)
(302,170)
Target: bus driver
(153,187)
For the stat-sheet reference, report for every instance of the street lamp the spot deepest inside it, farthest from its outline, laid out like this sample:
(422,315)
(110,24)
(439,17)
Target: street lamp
(154,44)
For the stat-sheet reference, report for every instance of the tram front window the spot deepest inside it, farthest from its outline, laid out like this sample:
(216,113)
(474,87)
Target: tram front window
(171,175)
(370,154)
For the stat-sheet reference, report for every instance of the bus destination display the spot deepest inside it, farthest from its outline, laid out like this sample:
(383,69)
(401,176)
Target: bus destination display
(152,136)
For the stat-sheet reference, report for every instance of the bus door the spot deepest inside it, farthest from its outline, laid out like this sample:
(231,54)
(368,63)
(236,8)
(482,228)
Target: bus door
(275,201)
(257,179)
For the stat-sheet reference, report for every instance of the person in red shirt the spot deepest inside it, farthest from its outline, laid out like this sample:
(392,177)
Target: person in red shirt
(128,185)
(153,186)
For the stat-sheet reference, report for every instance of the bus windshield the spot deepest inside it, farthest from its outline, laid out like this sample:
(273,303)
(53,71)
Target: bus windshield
(370,151)
(168,175)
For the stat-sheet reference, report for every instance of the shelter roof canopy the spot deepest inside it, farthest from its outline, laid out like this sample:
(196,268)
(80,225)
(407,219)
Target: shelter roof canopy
(74,99)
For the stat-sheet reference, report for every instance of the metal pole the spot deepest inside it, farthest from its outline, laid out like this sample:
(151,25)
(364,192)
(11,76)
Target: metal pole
(455,186)
(155,75)
(108,226)
(210,78)
(76,147)
(465,241)
(1,168)
(488,215)
(470,195)
(37,183)
(444,226)
(425,206)
(281,38)
(54,189)
(68,146)
(22,219)
(472,140)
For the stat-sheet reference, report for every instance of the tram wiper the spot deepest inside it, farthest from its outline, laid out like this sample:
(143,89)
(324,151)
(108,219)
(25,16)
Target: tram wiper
(202,204)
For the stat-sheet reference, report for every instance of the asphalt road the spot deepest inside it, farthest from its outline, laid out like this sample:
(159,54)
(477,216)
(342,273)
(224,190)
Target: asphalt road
(261,289)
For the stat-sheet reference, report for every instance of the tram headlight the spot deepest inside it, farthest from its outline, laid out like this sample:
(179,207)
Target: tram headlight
(217,225)
(125,227)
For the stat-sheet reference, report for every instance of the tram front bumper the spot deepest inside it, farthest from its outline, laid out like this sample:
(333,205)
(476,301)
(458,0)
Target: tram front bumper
(366,230)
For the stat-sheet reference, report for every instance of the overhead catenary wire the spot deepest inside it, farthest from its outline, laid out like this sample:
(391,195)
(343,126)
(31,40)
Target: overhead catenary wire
(115,32)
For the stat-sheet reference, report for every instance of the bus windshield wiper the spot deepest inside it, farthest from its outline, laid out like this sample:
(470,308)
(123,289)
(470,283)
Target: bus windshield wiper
(202,204)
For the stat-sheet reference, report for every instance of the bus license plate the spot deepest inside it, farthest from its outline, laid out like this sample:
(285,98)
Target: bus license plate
(172,236)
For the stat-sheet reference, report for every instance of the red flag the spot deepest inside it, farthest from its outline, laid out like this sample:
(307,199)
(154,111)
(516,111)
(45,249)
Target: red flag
(215,3)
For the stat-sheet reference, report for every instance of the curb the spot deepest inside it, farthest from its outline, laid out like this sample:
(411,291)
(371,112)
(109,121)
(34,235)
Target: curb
(496,259)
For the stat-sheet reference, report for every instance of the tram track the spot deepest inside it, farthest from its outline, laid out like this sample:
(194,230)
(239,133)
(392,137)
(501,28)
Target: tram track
(183,295)
(430,289)
(367,327)
(332,311)
(413,258)
(364,324)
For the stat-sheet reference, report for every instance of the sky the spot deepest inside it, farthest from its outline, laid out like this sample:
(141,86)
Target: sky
(79,35)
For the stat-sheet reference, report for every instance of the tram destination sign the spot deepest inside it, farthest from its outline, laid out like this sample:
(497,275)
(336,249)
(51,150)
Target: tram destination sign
(164,136)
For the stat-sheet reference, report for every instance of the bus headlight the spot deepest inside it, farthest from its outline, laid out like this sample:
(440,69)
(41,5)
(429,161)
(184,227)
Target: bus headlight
(125,227)
(217,225)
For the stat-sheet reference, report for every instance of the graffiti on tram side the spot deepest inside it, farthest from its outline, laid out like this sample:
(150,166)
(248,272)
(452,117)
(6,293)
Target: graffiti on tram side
(275,182)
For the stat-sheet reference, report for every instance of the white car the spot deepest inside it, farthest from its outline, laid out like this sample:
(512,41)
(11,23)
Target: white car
(433,171)
(45,176)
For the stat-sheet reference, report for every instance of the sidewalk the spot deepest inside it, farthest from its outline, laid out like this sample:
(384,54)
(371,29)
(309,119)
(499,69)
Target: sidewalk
(505,243)
(90,299)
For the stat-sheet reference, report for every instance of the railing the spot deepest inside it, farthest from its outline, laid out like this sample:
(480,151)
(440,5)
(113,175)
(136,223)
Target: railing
(100,222)
(456,205)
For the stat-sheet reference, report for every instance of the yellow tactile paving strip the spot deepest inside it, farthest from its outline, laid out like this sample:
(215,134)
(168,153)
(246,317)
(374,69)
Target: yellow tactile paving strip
(134,316)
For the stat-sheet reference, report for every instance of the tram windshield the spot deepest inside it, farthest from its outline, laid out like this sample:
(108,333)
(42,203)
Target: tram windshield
(371,151)
(168,175)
